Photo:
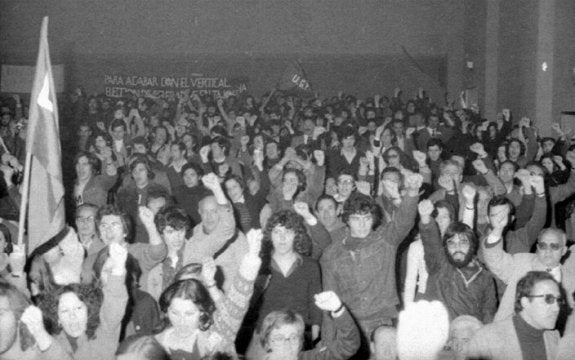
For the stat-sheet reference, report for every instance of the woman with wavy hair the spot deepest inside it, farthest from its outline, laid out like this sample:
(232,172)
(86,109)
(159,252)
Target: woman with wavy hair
(86,320)
(289,277)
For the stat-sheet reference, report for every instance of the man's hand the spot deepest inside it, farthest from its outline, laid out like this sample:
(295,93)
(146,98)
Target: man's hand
(420,157)
(524,177)
(422,331)
(209,269)
(146,216)
(538,184)
(211,182)
(524,122)
(204,152)
(244,140)
(301,208)
(478,149)
(446,182)
(118,256)
(319,156)
(469,191)
(254,238)
(327,301)
(425,208)
(412,184)
(480,166)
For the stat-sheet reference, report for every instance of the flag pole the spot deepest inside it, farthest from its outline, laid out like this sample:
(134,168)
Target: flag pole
(25,196)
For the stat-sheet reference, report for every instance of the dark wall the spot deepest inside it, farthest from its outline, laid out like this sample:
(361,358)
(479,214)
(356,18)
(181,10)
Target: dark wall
(312,31)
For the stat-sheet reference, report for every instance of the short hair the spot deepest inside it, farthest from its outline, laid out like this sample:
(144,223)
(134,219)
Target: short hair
(237,179)
(194,291)
(113,210)
(197,168)
(141,159)
(345,132)
(559,232)
(223,143)
(545,139)
(498,201)
(526,284)
(91,295)
(358,203)
(143,347)
(86,206)
(512,163)
(172,216)
(445,163)
(18,302)
(7,237)
(93,161)
(464,231)
(325,197)
(291,221)
(444,204)
(275,320)
(392,170)
(347,172)
(157,191)
(435,142)
(118,122)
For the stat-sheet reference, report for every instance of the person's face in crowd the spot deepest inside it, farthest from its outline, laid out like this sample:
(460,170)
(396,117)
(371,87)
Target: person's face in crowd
(389,178)
(550,249)
(502,153)
(161,136)
(84,132)
(398,129)
(514,150)
(272,150)
(434,152)
(217,150)
(290,183)
(393,159)
(433,122)
(285,341)
(209,213)
(443,219)
(92,105)
(191,178)
(154,121)
(536,312)
(499,214)
(459,250)
(345,185)
(385,137)
(86,221)
(548,165)
(176,153)
(460,336)
(507,173)
(410,108)
(459,160)
(100,143)
(188,140)
(370,114)
(184,316)
(384,345)
(156,204)
(173,238)
(348,142)
(492,131)
(181,127)
(211,110)
(337,121)
(360,224)
(139,149)
(282,240)
(118,133)
(83,169)
(547,146)
(140,175)
(234,190)
(8,326)
(118,114)
(535,170)
(72,314)
(453,171)
(327,212)
(308,126)
(258,142)
(398,115)
(111,229)
(5,120)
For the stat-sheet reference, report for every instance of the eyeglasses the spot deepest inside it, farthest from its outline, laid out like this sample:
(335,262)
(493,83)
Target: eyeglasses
(114,225)
(84,219)
(279,340)
(545,246)
(549,299)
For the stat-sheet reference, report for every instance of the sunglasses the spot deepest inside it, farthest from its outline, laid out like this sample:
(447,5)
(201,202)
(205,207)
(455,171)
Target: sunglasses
(549,299)
(545,246)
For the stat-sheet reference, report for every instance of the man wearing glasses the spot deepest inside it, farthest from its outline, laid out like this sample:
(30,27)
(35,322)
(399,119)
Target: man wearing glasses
(528,334)
(551,247)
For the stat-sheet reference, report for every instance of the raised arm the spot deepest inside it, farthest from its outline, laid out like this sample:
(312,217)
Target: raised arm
(499,262)
(396,231)
(430,237)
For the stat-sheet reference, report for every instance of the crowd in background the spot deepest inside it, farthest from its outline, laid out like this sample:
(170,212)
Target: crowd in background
(293,227)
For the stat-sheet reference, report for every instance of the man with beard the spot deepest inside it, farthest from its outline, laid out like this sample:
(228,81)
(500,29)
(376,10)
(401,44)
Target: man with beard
(456,278)
(528,334)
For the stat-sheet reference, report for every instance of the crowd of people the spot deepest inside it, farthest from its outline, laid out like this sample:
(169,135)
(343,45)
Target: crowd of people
(292,227)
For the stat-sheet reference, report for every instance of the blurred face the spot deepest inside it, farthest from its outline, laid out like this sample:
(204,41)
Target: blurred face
(217,150)
(118,133)
(547,146)
(536,311)
(83,169)
(111,229)
(156,204)
(285,341)
(453,172)
(535,170)
(386,137)
(348,142)
(499,214)
(345,185)
(458,248)
(327,212)
(290,183)
(140,175)
(433,122)
(501,153)
(234,190)
(161,136)
(173,238)
(460,337)
(84,132)
(514,150)
(393,159)
(188,141)
(176,152)
(360,225)
(507,173)
(72,314)
(547,164)
(308,126)
(191,178)
(550,249)
(85,221)
(209,213)
(443,219)
(184,316)
(139,149)
(272,151)
(434,152)
(8,326)
(398,128)
(282,240)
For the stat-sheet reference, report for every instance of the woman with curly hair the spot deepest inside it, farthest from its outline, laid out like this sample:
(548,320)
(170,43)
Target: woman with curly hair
(196,325)
(289,277)
(90,317)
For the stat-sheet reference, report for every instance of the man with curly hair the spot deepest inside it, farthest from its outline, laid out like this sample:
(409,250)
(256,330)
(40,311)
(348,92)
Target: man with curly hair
(359,265)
